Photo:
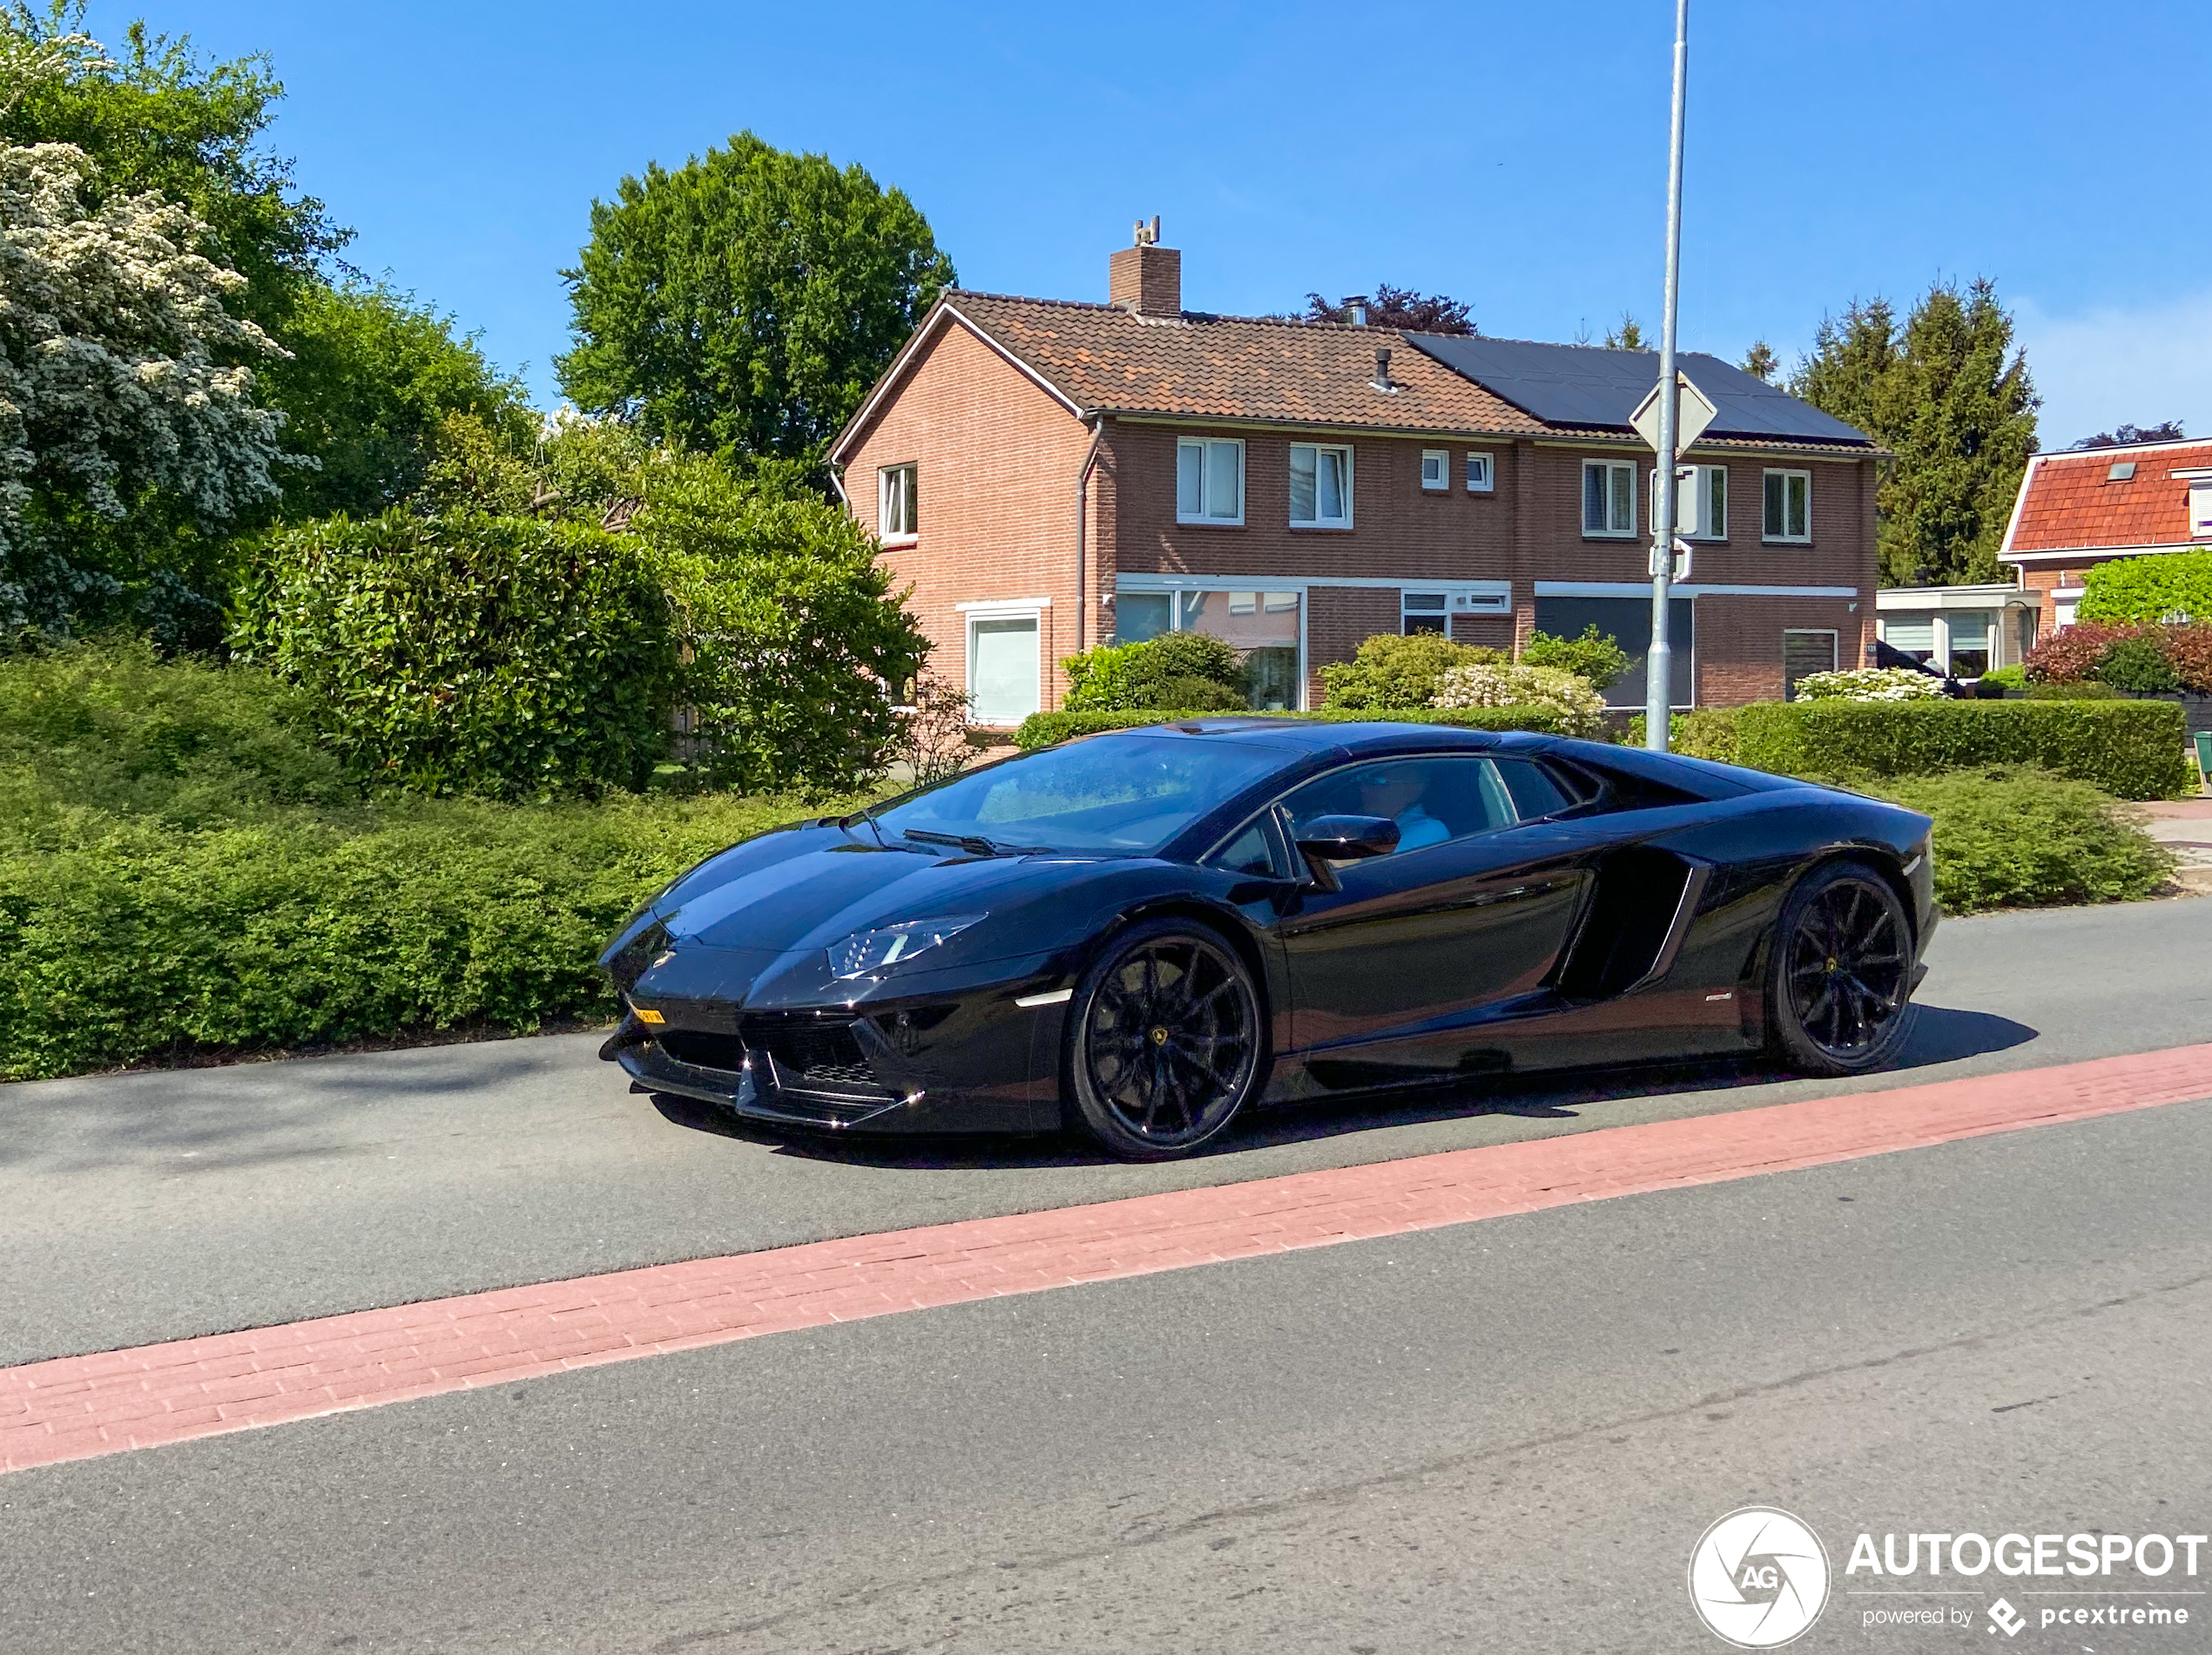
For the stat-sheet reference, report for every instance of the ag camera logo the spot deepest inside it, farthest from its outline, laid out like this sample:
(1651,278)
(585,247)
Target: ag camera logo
(1758,1577)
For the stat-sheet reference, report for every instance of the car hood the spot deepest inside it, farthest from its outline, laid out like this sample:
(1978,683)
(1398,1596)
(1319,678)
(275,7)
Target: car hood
(807,886)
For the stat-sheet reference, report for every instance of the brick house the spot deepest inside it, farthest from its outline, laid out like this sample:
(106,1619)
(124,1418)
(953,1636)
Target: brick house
(2087,506)
(1051,475)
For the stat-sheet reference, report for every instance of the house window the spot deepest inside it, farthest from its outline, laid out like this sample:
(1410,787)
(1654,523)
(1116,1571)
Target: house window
(1424,612)
(1320,486)
(1436,469)
(1913,634)
(896,517)
(1968,643)
(1209,480)
(1610,497)
(1788,506)
(1482,474)
(1803,653)
(1266,628)
(1002,667)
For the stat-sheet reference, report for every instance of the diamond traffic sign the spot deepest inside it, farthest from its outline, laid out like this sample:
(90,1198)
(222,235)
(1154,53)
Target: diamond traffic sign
(1696,413)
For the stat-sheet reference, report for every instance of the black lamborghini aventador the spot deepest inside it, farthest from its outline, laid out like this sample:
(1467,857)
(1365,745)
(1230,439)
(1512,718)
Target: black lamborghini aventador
(1142,934)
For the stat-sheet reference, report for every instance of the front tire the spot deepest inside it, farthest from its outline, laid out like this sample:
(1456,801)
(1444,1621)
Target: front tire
(1165,1040)
(1839,990)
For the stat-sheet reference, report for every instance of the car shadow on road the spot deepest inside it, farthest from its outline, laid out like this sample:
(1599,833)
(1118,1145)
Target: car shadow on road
(1940,1035)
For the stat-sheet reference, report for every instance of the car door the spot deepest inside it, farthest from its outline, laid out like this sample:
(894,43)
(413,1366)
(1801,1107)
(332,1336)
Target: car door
(1468,914)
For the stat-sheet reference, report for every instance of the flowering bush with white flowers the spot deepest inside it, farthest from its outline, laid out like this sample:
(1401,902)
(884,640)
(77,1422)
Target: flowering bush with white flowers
(1869,684)
(1580,709)
(120,369)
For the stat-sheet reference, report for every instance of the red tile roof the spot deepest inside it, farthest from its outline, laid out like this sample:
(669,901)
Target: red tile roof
(2071,501)
(1103,358)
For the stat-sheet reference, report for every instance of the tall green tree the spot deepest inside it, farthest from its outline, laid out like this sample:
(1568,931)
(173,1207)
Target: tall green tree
(1950,394)
(372,377)
(745,301)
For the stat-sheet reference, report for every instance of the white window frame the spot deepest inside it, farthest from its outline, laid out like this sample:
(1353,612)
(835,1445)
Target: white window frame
(1785,538)
(1319,450)
(1442,612)
(1173,588)
(1206,447)
(887,492)
(1612,498)
(1028,609)
(1481,472)
(1440,459)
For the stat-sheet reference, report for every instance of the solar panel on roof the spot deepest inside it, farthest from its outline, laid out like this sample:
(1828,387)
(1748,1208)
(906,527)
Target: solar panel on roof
(1576,385)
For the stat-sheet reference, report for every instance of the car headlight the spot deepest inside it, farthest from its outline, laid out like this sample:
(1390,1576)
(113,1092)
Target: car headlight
(888,945)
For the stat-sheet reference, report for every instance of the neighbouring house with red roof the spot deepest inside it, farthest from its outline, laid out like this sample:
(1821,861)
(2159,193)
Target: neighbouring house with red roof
(2086,506)
(1050,474)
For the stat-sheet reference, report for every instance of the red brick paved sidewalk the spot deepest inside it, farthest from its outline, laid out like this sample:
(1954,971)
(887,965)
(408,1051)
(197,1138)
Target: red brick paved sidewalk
(76,1407)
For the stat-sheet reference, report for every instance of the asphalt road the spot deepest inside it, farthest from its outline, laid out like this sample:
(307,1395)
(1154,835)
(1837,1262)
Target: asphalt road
(1503,1435)
(157,1205)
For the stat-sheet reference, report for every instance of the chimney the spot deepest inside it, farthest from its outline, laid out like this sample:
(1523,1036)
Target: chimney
(1356,304)
(1146,278)
(1381,381)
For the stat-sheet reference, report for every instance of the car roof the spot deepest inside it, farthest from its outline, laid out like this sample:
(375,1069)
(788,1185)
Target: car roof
(1314,735)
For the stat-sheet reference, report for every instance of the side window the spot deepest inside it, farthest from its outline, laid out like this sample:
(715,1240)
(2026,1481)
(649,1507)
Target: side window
(1254,851)
(1433,801)
(1535,793)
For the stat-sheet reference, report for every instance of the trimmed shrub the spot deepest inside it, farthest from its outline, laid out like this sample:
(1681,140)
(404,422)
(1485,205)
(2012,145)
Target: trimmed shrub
(1869,684)
(1154,674)
(2130,749)
(1595,657)
(2085,689)
(2138,666)
(1044,729)
(1702,732)
(124,939)
(2013,677)
(2188,651)
(2020,837)
(2150,589)
(2071,654)
(498,656)
(1580,709)
(1389,671)
(109,726)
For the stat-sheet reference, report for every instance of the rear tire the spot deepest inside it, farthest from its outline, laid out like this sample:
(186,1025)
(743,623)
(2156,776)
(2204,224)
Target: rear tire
(1164,1042)
(1839,986)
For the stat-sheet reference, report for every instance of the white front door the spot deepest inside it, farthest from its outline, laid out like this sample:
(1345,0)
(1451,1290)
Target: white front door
(1003,668)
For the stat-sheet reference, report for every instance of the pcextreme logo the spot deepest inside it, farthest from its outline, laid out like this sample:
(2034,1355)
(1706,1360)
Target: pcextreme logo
(1758,1579)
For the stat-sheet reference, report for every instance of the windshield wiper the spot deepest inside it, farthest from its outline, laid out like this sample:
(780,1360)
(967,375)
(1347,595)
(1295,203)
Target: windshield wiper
(974,844)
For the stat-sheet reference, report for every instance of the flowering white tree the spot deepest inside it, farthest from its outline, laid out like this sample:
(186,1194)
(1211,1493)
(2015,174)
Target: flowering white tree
(120,370)
(1581,710)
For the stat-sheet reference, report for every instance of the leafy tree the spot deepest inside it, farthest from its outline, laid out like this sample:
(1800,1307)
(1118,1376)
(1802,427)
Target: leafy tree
(1627,336)
(1402,308)
(1390,670)
(2127,436)
(115,397)
(1760,362)
(372,379)
(746,300)
(1950,395)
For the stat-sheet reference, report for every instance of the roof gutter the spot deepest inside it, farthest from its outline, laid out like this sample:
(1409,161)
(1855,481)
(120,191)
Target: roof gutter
(1097,423)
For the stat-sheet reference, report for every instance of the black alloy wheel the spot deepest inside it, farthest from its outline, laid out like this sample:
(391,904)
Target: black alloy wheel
(1165,1042)
(1843,973)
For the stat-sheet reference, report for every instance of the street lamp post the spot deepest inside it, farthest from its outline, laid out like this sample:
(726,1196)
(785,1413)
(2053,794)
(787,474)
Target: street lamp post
(1659,663)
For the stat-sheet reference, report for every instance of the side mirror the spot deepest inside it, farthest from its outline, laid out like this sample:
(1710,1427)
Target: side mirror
(1345,839)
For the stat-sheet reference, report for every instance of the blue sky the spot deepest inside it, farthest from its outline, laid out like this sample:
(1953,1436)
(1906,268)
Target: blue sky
(1513,156)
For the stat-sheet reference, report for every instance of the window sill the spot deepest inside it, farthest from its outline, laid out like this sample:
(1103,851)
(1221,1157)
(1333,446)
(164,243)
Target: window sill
(1610,534)
(1785,540)
(1324,528)
(1208,523)
(890,542)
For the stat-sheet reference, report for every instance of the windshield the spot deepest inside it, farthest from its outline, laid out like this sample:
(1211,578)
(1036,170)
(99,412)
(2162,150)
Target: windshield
(1124,794)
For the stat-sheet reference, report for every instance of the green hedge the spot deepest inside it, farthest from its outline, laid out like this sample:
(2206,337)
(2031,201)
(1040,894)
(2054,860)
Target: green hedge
(1043,729)
(2019,837)
(124,939)
(2129,749)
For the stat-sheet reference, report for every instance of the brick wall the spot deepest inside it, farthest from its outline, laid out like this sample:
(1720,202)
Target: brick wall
(998,461)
